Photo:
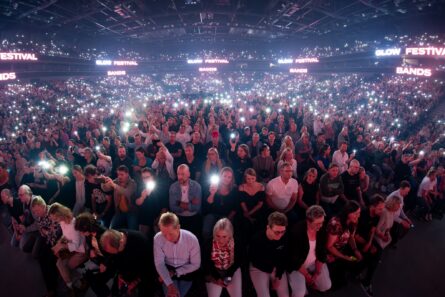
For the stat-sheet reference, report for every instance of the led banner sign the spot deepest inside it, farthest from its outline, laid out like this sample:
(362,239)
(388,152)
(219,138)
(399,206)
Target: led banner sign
(285,61)
(298,70)
(7,76)
(306,60)
(425,51)
(414,71)
(207,61)
(18,57)
(116,63)
(116,72)
(388,52)
(208,69)
(298,61)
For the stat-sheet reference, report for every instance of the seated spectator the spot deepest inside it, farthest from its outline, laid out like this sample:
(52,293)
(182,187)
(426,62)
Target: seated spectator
(383,229)
(50,233)
(427,195)
(177,256)
(130,253)
(97,273)
(309,190)
(341,157)
(101,202)
(365,239)
(343,254)
(268,255)
(124,192)
(402,223)
(282,192)
(14,210)
(26,231)
(222,258)
(70,249)
(212,165)
(307,253)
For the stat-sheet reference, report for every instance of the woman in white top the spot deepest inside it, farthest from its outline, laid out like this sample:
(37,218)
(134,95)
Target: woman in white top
(382,232)
(70,249)
(307,261)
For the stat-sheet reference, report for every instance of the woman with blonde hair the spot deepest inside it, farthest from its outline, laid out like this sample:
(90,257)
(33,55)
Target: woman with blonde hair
(70,249)
(221,260)
(212,165)
(288,156)
(221,200)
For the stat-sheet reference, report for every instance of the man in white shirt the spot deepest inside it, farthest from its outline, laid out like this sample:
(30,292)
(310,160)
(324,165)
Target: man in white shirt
(282,192)
(427,194)
(402,223)
(182,136)
(341,158)
(177,256)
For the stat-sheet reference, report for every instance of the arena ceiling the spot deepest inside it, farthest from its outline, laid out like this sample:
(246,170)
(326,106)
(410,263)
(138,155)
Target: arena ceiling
(156,21)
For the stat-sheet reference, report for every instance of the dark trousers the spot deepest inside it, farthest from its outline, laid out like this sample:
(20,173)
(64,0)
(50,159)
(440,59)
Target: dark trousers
(47,262)
(98,282)
(370,262)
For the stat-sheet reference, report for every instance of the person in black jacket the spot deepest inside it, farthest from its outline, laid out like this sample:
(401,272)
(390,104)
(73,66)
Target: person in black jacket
(221,261)
(268,257)
(97,273)
(307,248)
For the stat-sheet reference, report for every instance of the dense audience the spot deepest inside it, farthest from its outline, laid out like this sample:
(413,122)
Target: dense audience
(294,182)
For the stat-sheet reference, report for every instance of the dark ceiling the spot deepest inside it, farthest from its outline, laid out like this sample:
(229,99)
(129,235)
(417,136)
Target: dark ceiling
(153,21)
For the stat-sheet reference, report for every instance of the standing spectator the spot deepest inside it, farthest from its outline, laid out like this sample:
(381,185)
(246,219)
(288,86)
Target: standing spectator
(307,249)
(268,256)
(254,145)
(331,189)
(185,200)
(341,157)
(148,202)
(122,159)
(351,183)
(239,161)
(174,147)
(221,201)
(222,260)
(264,165)
(282,192)
(177,256)
(124,192)
(288,156)
(427,195)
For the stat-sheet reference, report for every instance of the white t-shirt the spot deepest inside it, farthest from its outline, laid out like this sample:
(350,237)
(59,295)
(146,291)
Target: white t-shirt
(340,159)
(426,185)
(281,192)
(311,257)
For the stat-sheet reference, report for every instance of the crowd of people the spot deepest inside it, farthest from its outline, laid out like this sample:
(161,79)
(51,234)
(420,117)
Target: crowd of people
(294,183)
(55,46)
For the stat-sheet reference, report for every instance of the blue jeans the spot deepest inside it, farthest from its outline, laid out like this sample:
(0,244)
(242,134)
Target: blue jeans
(125,219)
(182,285)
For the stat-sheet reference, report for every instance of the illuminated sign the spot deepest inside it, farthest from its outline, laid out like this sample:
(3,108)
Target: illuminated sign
(116,72)
(7,76)
(298,70)
(18,57)
(285,61)
(194,61)
(425,51)
(208,69)
(216,61)
(116,63)
(414,71)
(306,60)
(388,52)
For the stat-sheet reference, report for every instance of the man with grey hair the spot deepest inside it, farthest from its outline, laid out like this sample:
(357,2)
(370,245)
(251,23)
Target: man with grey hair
(351,182)
(185,200)
(26,234)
